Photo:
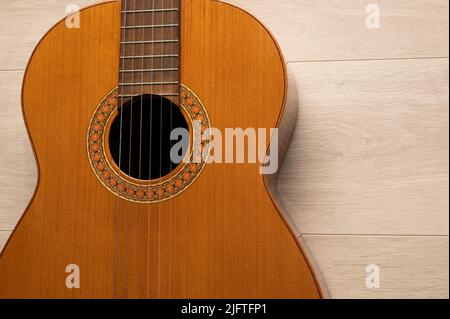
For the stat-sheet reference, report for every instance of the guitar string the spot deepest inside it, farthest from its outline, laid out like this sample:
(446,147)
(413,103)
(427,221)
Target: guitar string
(128,251)
(139,211)
(123,19)
(149,194)
(176,46)
(160,156)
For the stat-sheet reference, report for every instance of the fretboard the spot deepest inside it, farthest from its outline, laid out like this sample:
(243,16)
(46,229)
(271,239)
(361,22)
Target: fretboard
(149,53)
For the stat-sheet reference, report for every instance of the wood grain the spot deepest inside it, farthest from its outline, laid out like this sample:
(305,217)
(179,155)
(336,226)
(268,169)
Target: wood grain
(306,30)
(410,267)
(393,149)
(17,169)
(4,235)
(335,31)
(30,19)
(370,154)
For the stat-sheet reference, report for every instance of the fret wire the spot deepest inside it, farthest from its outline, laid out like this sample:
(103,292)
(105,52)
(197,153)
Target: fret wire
(128,73)
(162,94)
(149,70)
(150,56)
(151,10)
(148,83)
(150,26)
(150,41)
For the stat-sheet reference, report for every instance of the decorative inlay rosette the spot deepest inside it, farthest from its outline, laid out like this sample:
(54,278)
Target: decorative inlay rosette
(139,191)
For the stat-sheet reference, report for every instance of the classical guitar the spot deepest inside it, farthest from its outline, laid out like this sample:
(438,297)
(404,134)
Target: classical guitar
(107,96)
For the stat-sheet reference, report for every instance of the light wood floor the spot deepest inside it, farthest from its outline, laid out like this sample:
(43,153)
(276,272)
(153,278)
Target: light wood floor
(366,178)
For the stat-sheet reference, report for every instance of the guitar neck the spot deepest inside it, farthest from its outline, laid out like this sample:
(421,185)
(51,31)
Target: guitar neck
(149,52)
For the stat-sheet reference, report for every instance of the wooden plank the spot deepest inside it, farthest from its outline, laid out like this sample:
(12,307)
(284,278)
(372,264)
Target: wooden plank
(17,164)
(370,152)
(314,30)
(410,267)
(23,23)
(336,30)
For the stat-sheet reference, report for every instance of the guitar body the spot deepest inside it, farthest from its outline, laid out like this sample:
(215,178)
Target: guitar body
(222,237)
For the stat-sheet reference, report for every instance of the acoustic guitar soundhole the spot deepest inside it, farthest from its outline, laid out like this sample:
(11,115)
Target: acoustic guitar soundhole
(139,139)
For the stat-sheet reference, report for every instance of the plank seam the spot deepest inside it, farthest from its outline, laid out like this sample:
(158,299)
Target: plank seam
(365,60)
(375,235)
